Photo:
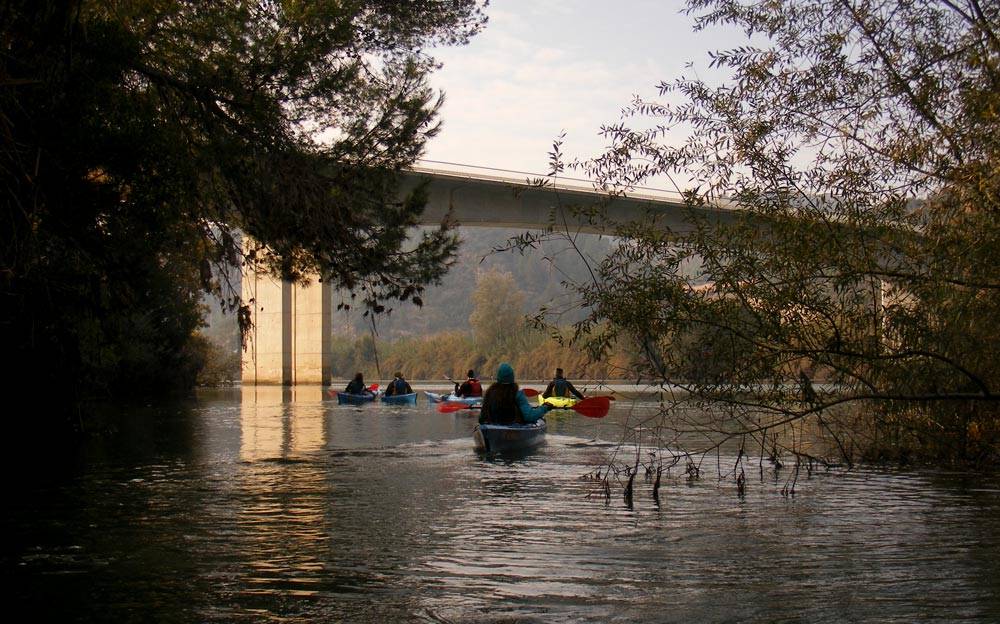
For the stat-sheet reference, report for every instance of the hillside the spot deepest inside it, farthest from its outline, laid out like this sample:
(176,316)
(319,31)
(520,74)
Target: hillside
(447,306)
(539,274)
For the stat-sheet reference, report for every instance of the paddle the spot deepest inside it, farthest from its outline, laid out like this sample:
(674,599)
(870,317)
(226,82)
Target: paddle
(594,407)
(530,392)
(448,407)
(373,388)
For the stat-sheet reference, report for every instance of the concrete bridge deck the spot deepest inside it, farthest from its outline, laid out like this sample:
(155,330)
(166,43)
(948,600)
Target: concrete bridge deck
(478,199)
(291,337)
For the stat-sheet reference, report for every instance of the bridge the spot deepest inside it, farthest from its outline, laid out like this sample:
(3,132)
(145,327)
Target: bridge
(290,340)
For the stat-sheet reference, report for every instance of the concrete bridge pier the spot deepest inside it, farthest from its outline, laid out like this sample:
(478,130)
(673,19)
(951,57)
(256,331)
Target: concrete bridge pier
(289,343)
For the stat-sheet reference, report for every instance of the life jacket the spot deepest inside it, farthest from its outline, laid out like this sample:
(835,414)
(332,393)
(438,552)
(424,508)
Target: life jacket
(399,386)
(475,388)
(559,389)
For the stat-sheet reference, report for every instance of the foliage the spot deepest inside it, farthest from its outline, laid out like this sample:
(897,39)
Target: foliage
(500,332)
(137,135)
(450,354)
(221,363)
(498,308)
(858,142)
(539,274)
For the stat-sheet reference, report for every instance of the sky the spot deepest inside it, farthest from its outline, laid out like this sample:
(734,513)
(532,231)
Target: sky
(544,67)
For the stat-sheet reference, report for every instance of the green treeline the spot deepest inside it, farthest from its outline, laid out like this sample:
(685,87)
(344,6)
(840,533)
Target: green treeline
(137,138)
(496,331)
(540,275)
(860,143)
(475,317)
(532,354)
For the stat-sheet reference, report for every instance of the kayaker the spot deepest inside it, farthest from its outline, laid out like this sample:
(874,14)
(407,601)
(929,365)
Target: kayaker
(357,385)
(398,386)
(504,403)
(561,387)
(470,387)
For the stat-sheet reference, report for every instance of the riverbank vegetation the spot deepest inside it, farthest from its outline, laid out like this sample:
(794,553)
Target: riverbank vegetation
(533,355)
(136,136)
(497,330)
(860,142)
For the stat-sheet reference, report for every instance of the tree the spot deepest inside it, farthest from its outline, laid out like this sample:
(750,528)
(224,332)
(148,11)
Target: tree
(138,136)
(860,143)
(497,308)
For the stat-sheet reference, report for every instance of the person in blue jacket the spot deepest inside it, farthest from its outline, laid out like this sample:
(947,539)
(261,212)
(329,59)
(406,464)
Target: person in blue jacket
(398,386)
(561,387)
(505,404)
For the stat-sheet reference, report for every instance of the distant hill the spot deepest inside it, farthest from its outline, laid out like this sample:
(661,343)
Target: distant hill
(538,272)
(447,306)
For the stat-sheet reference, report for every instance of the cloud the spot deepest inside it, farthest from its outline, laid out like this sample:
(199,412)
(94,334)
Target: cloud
(541,68)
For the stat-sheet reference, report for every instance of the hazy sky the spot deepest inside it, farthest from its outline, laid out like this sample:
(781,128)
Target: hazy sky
(542,67)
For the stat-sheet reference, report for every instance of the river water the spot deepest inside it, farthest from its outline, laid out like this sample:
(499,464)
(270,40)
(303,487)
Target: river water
(274,505)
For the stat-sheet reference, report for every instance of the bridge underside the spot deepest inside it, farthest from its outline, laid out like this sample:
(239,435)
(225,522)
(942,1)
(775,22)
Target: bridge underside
(500,202)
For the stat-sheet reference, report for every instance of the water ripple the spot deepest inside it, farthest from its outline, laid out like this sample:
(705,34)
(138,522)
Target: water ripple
(298,512)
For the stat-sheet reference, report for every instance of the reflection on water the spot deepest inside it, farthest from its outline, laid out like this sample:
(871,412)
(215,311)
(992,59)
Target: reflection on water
(270,429)
(273,504)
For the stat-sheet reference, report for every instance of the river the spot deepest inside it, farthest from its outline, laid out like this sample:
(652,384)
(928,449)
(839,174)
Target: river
(274,505)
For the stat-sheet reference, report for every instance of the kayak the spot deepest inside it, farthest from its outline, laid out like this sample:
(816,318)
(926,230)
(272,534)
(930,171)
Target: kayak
(354,399)
(400,399)
(491,438)
(558,402)
(472,402)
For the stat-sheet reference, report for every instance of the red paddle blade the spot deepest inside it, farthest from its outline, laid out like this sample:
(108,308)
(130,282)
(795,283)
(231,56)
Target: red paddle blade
(451,406)
(373,387)
(594,407)
(530,392)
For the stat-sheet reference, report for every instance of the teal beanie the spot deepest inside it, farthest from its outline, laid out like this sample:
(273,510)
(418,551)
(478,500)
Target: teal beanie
(505,374)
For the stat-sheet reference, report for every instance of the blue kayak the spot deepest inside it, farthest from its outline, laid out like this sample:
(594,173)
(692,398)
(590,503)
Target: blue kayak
(346,398)
(492,438)
(400,399)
